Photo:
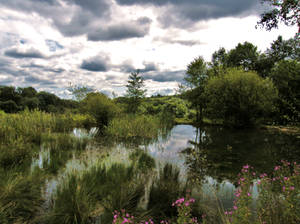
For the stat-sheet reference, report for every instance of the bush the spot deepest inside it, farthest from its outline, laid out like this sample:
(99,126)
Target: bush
(100,107)
(239,98)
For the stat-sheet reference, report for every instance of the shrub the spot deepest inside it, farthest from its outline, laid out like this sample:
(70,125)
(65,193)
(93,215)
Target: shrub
(239,98)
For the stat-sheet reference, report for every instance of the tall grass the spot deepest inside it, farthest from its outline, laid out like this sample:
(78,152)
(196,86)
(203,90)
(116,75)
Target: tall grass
(96,193)
(30,125)
(135,126)
(20,197)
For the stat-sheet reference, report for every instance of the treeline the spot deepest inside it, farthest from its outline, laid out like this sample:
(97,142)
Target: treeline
(14,99)
(243,86)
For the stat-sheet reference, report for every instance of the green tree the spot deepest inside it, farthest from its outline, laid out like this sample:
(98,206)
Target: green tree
(80,92)
(28,92)
(48,101)
(195,81)
(135,91)
(244,55)
(287,11)
(286,77)
(284,49)
(239,97)
(100,107)
(9,93)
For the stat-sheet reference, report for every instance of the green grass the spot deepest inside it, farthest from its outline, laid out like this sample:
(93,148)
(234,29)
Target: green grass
(29,125)
(20,197)
(97,192)
(134,126)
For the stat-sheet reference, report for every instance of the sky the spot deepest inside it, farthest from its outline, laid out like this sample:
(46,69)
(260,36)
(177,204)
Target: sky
(52,44)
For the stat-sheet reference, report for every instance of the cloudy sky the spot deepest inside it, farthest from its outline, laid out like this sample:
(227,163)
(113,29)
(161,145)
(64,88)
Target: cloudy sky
(49,44)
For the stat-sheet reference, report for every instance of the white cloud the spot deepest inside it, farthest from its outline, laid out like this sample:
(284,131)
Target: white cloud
(170,49)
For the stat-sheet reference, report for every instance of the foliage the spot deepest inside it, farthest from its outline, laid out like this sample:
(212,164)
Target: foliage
(80,92)
(286,77)
(135,91)
(14,99)
(285,11)
(244,55)
(239,97)
(100,107)
(284,49)
(196,78)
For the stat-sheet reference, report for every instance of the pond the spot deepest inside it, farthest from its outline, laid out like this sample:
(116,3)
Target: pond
(210,158)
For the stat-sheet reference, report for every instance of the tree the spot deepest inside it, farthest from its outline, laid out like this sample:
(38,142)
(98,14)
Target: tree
(196,78)
(80,92)
(48,102)
(9,93)
(287,11)
(135,91)
(239,97)
(28,92)
(286,77)
(245,55)
(284,49)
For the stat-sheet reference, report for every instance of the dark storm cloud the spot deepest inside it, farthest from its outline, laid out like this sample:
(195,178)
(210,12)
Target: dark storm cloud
(166,76)
(127,67)
(98,7)
(137,28)
(96,64)
(30,53)
(183,13)
(149,67)
(79,24)
(36,80)
(68,20)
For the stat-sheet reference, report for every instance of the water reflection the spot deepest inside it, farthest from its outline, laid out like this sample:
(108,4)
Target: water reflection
(220,153)
(209,158)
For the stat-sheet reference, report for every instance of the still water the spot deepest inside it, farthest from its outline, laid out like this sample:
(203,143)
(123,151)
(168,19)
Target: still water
(207,156)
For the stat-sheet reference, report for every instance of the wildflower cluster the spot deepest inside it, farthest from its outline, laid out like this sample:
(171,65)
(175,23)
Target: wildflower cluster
(283,190)
(278,198)
(123,217)
(184,210)
(241,211)
(184,214)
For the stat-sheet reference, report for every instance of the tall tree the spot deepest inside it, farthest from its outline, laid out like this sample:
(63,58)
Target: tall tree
(287,11)
(286,77)
(135,91)
(196,78)
(284,49)
(245,55)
